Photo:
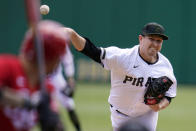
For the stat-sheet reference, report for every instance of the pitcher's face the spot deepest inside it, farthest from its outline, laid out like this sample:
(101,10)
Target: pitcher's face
(150,45)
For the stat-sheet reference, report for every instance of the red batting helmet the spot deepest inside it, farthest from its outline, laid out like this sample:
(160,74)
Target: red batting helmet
(53,40)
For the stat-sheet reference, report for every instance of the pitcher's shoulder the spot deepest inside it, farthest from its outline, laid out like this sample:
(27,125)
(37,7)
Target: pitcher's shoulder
(163,59)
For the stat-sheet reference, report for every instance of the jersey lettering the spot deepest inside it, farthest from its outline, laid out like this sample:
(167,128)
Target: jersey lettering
(135,81)
(127,78)
(150,80)
(138,81)
(21,118)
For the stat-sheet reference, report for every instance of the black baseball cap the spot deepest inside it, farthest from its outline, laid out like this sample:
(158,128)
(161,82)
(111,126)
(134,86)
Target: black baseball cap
(154,28)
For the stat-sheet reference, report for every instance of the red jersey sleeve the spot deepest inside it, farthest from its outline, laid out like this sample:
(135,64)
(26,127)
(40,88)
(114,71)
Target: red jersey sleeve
(4,72)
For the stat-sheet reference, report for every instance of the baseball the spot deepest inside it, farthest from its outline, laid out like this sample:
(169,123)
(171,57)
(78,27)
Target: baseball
(44,9)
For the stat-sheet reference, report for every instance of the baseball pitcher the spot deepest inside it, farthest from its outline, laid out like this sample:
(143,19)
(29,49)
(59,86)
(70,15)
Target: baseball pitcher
(142,79)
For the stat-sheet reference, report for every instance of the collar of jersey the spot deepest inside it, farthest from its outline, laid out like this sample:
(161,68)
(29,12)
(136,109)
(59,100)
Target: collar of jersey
(149,63)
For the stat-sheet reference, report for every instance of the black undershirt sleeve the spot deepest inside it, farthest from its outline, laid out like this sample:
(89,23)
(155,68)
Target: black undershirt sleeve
(168,98)
(92,51)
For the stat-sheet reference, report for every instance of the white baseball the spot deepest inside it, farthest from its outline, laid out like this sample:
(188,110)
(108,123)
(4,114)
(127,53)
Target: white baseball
(44,9)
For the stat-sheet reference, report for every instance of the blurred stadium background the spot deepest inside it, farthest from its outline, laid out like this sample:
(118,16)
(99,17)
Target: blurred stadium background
(114,22)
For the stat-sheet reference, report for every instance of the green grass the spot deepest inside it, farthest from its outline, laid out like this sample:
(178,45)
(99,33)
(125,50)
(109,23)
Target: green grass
(93,109)
(181,114)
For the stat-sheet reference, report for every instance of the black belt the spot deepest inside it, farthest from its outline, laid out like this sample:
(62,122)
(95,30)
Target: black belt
(118,111)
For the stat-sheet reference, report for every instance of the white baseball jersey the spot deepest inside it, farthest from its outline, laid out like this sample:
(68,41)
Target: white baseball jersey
(58,80)
(66,64)
(130,75)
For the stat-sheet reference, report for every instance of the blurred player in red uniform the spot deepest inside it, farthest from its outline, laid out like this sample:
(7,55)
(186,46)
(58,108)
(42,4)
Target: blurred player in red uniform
(19,82)
(64,83)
